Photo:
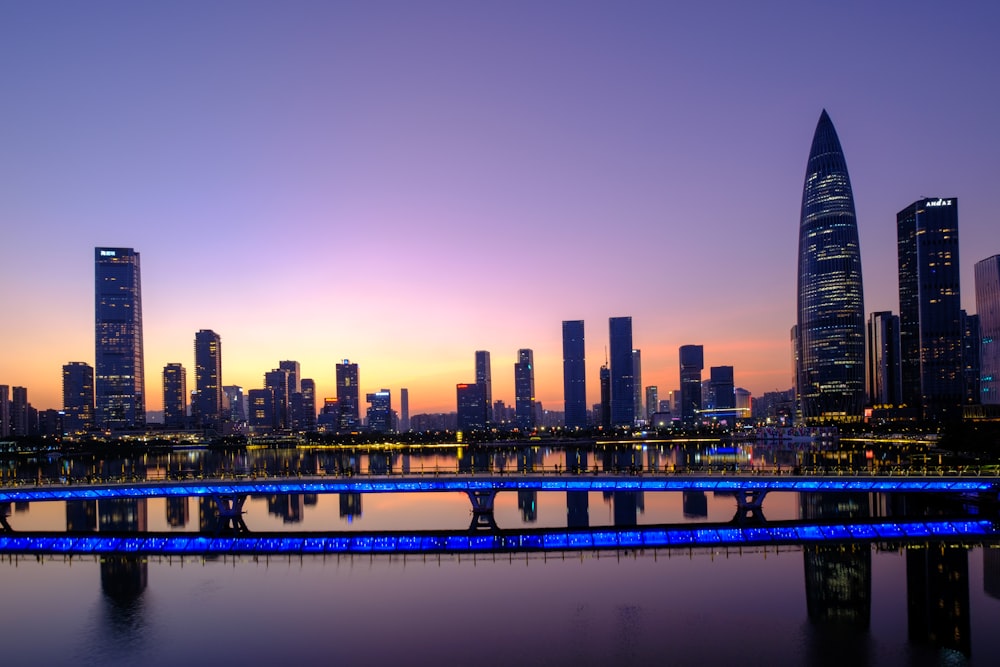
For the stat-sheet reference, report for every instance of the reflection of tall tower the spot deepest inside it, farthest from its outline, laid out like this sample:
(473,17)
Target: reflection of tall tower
(695,504)
(350,505)
(831,310)
(177,512)
(81,516)
(937,597)
(119,381)
(838,579)
(574,374)
(122,577)
(527,502)
(289,506)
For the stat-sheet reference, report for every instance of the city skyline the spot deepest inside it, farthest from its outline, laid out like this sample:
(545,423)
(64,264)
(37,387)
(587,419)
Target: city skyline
(315,185)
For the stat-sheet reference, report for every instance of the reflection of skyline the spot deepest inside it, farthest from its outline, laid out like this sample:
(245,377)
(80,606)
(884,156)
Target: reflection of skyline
(937,597)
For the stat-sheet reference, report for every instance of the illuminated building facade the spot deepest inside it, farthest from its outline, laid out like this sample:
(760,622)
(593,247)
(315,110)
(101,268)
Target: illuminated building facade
(574,374)
(471,407)
(174,396)
(622,372)
(524,389)
(930,319)
(830,373)
(119,379)
(379,411)
(78,397)
(692,360)
(988,310)
(261,417)
(208,378)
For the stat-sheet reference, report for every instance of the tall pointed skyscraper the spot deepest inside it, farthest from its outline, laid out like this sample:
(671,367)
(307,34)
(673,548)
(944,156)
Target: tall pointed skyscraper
(831,312)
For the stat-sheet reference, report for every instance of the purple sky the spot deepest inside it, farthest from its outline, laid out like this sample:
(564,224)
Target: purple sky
(404,183)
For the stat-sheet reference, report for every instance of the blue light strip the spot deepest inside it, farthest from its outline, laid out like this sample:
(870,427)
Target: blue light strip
(508,541)
(457,483)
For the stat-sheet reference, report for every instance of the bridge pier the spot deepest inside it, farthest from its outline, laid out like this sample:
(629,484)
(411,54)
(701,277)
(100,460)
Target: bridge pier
(231,511)
(482,509)
(749,504)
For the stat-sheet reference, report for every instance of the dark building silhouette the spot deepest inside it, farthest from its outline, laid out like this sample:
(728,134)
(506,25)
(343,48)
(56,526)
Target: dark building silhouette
(177,512)
(78,397)
(261,417)
(277,380)
(294,375)
(208,378)
(694,504)
(605,404)
(20,413)
(524,389)
(119,379)
(81,516)
(723,389)
(937,597)
(692,359)
(988,310)
(971,359)
(174,396)
(350,505)
(574,375)
(622,372)
(348,396)
(4,411)
(471,407)
(884,379)
(484,378)
(930,326)
(303,407)
(831,312)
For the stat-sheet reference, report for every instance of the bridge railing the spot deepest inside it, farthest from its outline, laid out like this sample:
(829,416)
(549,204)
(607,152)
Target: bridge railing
(536,470)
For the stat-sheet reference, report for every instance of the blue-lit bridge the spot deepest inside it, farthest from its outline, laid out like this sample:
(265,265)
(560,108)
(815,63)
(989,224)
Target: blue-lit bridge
(749,489)
(654,537)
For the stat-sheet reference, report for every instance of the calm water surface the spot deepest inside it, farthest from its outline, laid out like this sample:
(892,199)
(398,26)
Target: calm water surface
(844,605)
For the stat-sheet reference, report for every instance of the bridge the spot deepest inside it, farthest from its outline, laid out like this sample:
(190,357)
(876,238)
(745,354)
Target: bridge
(510,541)
(748,489)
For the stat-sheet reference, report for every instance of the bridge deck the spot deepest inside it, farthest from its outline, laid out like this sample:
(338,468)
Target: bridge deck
(647,482)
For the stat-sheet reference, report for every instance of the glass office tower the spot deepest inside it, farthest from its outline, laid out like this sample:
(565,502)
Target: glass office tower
(830,377)
(574,374)
(119,381)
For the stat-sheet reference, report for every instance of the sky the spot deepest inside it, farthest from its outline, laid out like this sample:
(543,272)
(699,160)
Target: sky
(404,183)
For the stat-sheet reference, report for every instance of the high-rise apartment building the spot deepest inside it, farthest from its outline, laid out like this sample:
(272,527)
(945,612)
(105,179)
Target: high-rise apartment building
(261,417)
(692,361)
(208,378)
(622,372)
(119,379)
(830,373)
(971,350)
(988,310)
(234,399)
(20,412)
(884,379)
(524,389)
(930,326)
(574,374)
(652,401)
(174,396)
(484,378)
(348,396)
(78,397)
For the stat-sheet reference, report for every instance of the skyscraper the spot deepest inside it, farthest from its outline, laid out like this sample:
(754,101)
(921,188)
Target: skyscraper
(208,378)
(724,390)
(348,396)
(404,410)
(277,380)
(637,383)
(78,397)
(652,401)
(119,379)
(930,326)
(294,375)
(471,411)
(4,410)
(20,412)
(524,389)
(574,374)
(692,358)
(174,396)
(380,411)
(484,378)
(971,350)
(622,378)
(884,381)
(988,309)
(831,312)
(605,404)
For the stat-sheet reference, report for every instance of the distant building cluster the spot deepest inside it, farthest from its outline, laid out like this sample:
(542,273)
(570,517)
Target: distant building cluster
(930,361)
